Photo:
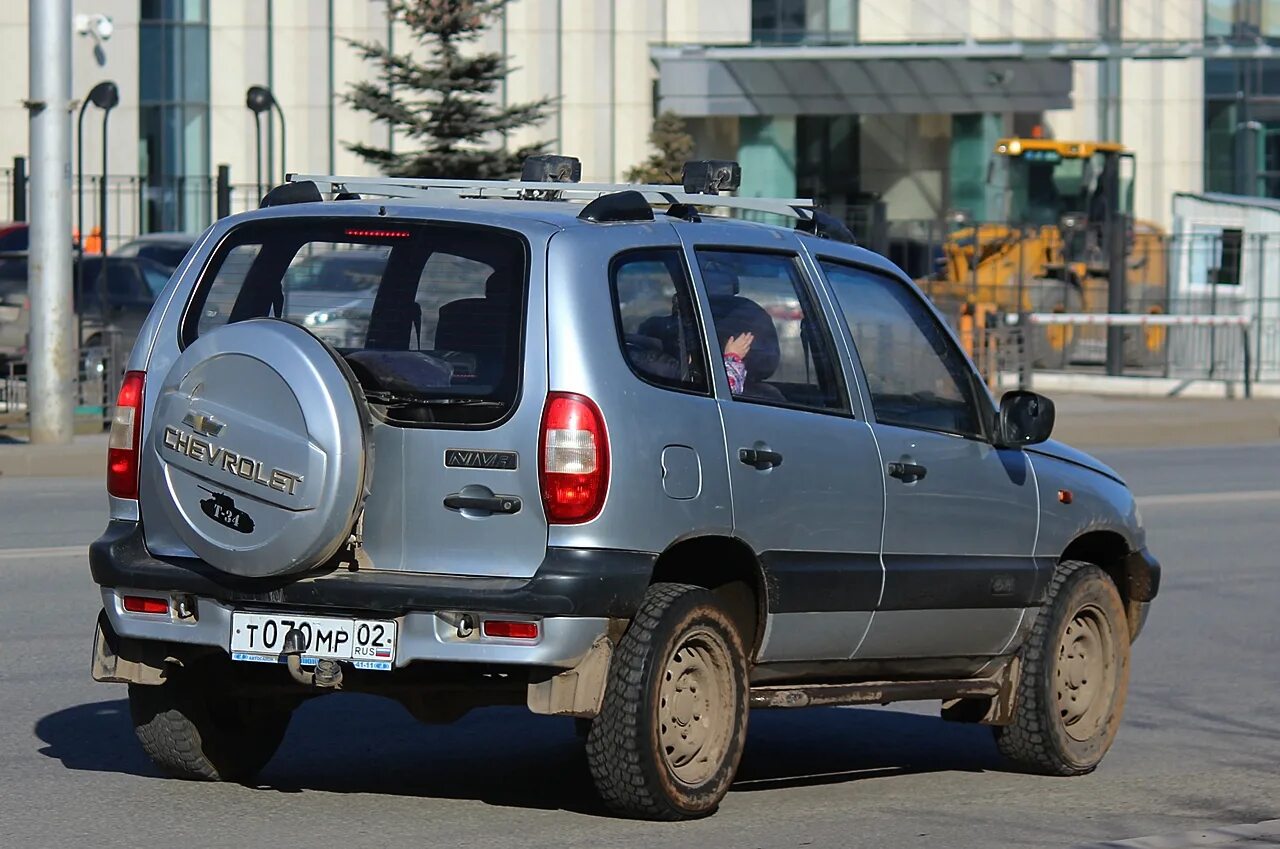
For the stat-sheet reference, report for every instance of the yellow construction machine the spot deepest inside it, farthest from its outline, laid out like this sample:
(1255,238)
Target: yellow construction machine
(1053,252)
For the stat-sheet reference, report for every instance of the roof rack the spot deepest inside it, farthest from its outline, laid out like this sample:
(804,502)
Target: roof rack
(662,195)
(554,177)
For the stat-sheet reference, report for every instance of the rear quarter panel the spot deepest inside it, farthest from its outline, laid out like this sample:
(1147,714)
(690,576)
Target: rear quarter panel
(640,419)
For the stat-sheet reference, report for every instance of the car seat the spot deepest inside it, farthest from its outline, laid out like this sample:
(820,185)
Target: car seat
(481,326)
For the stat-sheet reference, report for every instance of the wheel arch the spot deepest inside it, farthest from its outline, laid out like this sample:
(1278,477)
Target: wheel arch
(730,569)
(1134,574)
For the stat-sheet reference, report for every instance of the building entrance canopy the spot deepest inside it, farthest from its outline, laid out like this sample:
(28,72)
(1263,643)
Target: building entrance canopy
(862,79)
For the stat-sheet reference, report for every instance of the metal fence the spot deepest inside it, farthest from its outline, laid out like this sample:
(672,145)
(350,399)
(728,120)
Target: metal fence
(137,205)
(97,383)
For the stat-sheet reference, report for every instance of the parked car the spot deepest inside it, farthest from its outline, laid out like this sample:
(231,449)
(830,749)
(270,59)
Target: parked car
(111,308)
(164,249)
(14,236)
(536,477)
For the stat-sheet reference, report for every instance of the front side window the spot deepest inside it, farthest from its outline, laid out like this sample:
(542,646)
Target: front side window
(916,375)
(775,345)
(657,319)
(424,313)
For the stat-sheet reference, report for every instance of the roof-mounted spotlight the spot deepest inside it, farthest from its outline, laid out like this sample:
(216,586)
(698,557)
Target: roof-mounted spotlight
(549,168)
(711,176)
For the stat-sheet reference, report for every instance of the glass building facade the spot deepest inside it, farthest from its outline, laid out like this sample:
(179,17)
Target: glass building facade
(1242,101)
(804,21)
(173,70)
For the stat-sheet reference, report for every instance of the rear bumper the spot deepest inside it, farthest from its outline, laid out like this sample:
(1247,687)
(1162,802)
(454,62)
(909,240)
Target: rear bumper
(574,595)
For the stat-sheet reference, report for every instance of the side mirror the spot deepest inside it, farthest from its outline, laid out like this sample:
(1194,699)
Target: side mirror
(1025,418)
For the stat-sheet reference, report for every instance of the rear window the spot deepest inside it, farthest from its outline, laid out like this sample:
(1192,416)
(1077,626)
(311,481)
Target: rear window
(429,316)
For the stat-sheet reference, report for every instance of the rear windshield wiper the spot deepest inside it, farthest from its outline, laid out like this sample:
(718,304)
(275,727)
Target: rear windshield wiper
(379,396)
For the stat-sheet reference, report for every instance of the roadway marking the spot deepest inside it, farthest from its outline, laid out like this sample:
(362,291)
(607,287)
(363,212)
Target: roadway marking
(1253,834)
(1175,499)
(38,553)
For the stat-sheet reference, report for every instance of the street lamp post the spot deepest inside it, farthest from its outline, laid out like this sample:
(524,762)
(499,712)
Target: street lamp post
(106,96)
(259,99)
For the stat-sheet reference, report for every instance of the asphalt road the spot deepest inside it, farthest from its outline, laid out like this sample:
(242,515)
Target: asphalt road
(1200,746)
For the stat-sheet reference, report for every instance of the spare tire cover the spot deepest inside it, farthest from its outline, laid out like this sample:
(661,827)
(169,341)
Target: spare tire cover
(259,443)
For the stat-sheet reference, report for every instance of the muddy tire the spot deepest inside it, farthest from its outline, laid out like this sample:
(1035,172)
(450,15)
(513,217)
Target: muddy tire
(670,733)
(1075,677)
(192,731)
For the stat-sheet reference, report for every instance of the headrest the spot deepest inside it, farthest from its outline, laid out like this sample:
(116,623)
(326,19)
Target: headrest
(497,286)
(720,279)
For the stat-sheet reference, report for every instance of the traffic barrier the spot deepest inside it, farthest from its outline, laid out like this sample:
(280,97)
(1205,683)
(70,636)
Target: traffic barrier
(1151,320)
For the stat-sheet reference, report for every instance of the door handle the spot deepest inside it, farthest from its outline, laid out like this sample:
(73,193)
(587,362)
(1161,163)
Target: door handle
(759,458)
(906,472)
(505,504)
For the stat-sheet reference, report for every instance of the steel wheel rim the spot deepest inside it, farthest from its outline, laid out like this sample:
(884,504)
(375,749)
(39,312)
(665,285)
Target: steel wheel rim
(695,709)
(1085,674)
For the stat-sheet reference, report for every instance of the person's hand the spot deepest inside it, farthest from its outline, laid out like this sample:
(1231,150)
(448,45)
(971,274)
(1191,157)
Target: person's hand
(740,345)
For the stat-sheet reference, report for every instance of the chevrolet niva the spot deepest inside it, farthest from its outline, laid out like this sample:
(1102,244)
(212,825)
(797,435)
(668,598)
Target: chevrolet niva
(598,451)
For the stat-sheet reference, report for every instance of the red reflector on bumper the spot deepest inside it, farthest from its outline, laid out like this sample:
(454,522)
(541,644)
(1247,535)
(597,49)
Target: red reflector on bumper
(511,630)
(143,604)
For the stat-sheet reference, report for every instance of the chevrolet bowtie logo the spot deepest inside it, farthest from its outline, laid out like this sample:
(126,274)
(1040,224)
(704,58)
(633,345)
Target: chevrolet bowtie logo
(202,423)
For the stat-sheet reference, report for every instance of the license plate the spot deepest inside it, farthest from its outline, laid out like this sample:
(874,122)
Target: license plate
(364,643)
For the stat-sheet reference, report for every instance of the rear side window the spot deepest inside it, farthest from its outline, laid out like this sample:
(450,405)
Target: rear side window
(775,344)
(429,316)
(657,319)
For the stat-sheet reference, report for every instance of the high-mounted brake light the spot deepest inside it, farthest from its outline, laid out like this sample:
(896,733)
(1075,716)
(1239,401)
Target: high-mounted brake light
(126,430)
(378,234)
(574,449)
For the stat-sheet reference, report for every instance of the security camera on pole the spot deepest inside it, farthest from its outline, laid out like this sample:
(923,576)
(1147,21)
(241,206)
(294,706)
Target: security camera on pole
(52,369)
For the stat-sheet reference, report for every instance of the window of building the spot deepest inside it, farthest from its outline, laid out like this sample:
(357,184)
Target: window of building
(173,114)
(1242,19)
(657,319)
(916,375)
(759,302)
(798,21)
(1213,255)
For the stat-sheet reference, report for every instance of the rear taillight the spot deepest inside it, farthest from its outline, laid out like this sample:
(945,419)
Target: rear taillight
(126,429)
(575,459)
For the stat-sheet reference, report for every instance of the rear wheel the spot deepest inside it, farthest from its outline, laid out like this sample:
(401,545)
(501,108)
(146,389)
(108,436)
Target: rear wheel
(670,733)
(192,728)
(1075,677)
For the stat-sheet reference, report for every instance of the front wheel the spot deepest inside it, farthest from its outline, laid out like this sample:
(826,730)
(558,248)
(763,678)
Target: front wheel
(670,733)
(192,728)
(1075,677)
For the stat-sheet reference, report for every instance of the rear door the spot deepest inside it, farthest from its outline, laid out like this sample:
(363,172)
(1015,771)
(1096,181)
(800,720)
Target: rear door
(807,493)
(482,311)
(448,348)
(961,514)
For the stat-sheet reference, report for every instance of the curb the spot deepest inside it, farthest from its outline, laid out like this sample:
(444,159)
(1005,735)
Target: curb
(1142,387)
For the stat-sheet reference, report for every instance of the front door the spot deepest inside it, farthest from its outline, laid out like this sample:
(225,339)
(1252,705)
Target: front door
(804,471)
(961,514)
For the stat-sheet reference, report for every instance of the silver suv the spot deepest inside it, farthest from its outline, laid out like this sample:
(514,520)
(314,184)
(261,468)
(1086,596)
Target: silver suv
(650,469)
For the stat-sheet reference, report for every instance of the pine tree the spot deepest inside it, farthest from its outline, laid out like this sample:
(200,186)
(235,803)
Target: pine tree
(444,105)
(675,147)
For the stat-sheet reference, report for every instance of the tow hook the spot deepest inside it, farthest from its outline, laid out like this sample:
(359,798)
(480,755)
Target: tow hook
(327,674)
